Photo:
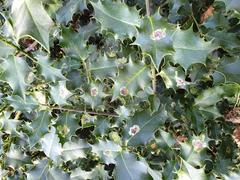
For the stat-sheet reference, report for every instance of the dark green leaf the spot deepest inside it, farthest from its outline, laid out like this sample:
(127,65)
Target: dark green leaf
(117,19)
(36,22)
(190,49)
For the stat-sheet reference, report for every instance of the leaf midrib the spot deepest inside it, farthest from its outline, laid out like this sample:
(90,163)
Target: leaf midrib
(136,75)
(125,164)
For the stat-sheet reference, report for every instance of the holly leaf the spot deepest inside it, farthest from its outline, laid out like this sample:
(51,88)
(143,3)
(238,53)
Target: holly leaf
(74,44)
(9,125)
(39,127)
(140,128)
(173,77)
(36,22)
(217,20)
(129,168)
(232,176)
(73,150)
(60,93)
(133,77)
(228,41)
(117,19)
(103,67)
(207,100)
(57,174)
(78,173)
(106,150)
(15,158)
(166,139)
(211,96)
(99,173)
(94,96)
(50,145)
(15,71)
(227,72)
(155,38)
(65,13)
(190,172)
(176,13)
(101,126)
(190,49)
(50,73)
(5,50)
(67,124)
(231,4)
(40,171)
(20,104)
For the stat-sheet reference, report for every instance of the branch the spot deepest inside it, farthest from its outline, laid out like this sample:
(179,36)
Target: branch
(154,85)
(81,111)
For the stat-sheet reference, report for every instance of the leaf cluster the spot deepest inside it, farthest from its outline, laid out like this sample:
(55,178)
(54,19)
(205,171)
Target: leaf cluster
(93,89)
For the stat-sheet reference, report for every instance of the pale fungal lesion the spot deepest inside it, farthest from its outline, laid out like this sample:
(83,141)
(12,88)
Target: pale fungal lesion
(94,91)
(63,92)
(158,34)
(30,77)
(134,130)
(41,97)
(181,82)
(198,144)
(124,91)
(108,153)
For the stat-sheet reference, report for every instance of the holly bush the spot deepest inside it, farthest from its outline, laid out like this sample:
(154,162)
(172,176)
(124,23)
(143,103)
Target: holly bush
(126,90)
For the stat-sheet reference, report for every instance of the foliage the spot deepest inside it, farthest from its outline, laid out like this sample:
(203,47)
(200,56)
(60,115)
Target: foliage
(96,89)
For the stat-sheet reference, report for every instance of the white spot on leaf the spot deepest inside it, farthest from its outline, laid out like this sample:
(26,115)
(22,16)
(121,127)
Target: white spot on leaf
(158,34)
(134,130)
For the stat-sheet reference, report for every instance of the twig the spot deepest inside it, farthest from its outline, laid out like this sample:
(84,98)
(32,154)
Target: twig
(18,114)
(147,2)
(148,13)
(195,21)
(29,48)
(80,111)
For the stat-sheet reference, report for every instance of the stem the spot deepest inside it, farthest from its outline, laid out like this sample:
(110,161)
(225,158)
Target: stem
(147,2)
(81,111)
(195,21)
(148,13)
(88,74)
(34,44)
(18,114)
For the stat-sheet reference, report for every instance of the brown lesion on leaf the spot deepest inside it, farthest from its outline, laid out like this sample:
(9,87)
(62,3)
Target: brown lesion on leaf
(236,135)
(206,14)
(233,116)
